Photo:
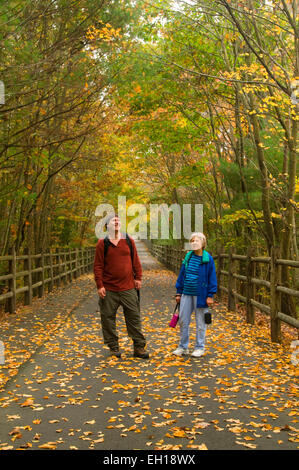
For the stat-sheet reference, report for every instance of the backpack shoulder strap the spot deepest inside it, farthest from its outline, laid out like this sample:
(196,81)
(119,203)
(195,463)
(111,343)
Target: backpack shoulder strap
(106,244)
(129,242)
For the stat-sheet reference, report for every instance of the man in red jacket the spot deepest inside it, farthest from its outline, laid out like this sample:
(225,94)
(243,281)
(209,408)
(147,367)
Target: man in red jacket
(117,286)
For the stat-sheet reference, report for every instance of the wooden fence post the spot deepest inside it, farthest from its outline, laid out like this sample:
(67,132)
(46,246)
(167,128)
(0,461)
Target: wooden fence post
(51,284)
(93,251)
(28,267)
(73,264)
(76,263)
(231,281)
(41,276)
(58,280)
(64,270)
(12,265)
(88,259)
(249,286)
(219,268)
(275,296)
(70,265)
(81,261)
(85,261)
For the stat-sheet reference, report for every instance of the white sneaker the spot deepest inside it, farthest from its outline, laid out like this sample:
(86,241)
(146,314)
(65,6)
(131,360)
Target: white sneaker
(198,352)
(180,351)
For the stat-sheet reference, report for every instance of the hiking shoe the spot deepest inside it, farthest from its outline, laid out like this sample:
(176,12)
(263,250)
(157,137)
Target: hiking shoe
(181,351)
(115,352)
(198,352)
(140,352)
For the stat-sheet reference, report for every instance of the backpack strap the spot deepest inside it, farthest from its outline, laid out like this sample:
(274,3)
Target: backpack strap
(129,242)
(106,244)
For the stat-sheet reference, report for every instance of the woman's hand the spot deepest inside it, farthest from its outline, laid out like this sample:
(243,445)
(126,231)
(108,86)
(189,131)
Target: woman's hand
(178,298)
(209,301)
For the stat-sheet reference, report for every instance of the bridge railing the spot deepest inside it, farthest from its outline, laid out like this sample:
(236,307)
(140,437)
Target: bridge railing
(28,275)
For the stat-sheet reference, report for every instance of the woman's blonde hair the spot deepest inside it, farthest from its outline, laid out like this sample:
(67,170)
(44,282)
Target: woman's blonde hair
(201,236)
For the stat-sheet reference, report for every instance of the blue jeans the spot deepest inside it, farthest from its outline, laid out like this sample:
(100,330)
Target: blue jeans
(187,306)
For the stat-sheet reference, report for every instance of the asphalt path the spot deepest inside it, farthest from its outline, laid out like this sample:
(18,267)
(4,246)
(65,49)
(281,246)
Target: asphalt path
(67,392)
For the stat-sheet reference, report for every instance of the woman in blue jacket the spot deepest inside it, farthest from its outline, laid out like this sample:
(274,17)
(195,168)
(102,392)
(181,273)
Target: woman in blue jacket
(196,285)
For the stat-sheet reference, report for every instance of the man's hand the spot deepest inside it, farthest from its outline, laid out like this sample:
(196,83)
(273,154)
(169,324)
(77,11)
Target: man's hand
(209,301)
(102,292)
(137,284)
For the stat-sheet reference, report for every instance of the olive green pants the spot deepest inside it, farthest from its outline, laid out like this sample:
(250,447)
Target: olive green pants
(128,299)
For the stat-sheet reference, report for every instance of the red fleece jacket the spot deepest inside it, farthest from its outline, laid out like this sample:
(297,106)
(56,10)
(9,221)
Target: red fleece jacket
(117,272)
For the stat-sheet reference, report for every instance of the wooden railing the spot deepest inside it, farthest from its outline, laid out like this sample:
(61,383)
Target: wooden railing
(237,277)
(170,256)
(29,274)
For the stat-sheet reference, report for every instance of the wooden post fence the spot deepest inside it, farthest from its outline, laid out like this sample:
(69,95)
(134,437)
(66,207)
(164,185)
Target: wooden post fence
(35,279)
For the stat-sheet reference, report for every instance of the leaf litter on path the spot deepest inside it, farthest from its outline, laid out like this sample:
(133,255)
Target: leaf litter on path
(235,394)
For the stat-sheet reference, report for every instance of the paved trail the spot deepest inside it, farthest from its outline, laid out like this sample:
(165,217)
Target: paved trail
(70,394)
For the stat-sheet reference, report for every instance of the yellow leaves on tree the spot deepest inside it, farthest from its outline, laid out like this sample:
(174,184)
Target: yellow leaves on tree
(107,33)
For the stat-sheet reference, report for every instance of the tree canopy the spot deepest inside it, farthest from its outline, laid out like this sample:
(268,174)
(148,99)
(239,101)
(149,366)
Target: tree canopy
(159,101)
